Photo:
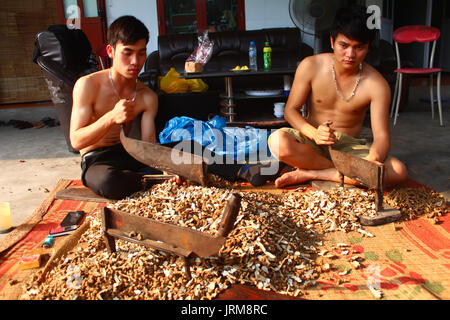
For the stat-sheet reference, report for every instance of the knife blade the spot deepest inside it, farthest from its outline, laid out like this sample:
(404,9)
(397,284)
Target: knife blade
(184,164)
(365,172)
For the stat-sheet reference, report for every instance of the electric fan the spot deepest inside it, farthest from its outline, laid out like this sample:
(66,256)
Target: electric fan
(315,17)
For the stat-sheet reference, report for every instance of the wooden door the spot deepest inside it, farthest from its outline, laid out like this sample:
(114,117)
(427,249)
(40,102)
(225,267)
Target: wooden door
(87,15)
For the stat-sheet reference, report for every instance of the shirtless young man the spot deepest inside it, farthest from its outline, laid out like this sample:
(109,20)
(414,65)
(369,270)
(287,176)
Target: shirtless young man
(337,108)
(104,100)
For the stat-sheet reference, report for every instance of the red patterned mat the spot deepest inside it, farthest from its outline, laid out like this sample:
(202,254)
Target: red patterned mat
(57,209)
(410,260)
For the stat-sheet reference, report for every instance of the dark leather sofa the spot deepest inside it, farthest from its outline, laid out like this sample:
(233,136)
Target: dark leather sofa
(230,49)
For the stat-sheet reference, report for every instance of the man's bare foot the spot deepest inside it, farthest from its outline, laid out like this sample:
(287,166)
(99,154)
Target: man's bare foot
(300,176)
(294,177)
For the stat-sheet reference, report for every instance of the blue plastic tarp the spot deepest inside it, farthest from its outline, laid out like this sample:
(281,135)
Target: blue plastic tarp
(214,135)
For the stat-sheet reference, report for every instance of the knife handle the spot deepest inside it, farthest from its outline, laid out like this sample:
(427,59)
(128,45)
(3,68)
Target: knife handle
(328,125)
(341,176)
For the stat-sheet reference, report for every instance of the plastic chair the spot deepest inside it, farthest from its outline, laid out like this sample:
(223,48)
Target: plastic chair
(422,34)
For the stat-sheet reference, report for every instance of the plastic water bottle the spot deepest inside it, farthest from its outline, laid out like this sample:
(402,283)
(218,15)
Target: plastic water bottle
(267,56)
(252,56)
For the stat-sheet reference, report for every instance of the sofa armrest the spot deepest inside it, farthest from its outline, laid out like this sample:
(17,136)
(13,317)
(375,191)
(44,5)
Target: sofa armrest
(150,79)
(152,62)
(151,71)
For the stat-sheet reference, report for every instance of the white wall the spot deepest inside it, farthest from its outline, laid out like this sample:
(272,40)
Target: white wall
(259,14)
(144,10)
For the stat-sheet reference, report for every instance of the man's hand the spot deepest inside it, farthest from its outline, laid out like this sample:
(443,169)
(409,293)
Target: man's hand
(325,135)
(123,111)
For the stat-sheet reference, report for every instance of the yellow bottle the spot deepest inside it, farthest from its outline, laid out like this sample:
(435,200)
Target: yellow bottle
(5,217)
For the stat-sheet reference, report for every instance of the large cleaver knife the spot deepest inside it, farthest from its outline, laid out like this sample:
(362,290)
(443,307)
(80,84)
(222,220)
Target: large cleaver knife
(184,164)
(369,174)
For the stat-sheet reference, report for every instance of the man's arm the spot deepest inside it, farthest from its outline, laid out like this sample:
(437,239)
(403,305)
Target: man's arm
(379,115)
(301,88)
(84,129)
(148,132)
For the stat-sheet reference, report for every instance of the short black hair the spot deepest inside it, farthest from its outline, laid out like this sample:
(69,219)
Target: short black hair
(351,22)
(128,30)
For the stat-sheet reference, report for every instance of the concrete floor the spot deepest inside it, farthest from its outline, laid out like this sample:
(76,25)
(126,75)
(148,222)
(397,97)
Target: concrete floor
(33,160)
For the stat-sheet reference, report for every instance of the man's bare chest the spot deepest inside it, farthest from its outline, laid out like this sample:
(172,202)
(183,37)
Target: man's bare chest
(326,96)
(104,102)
